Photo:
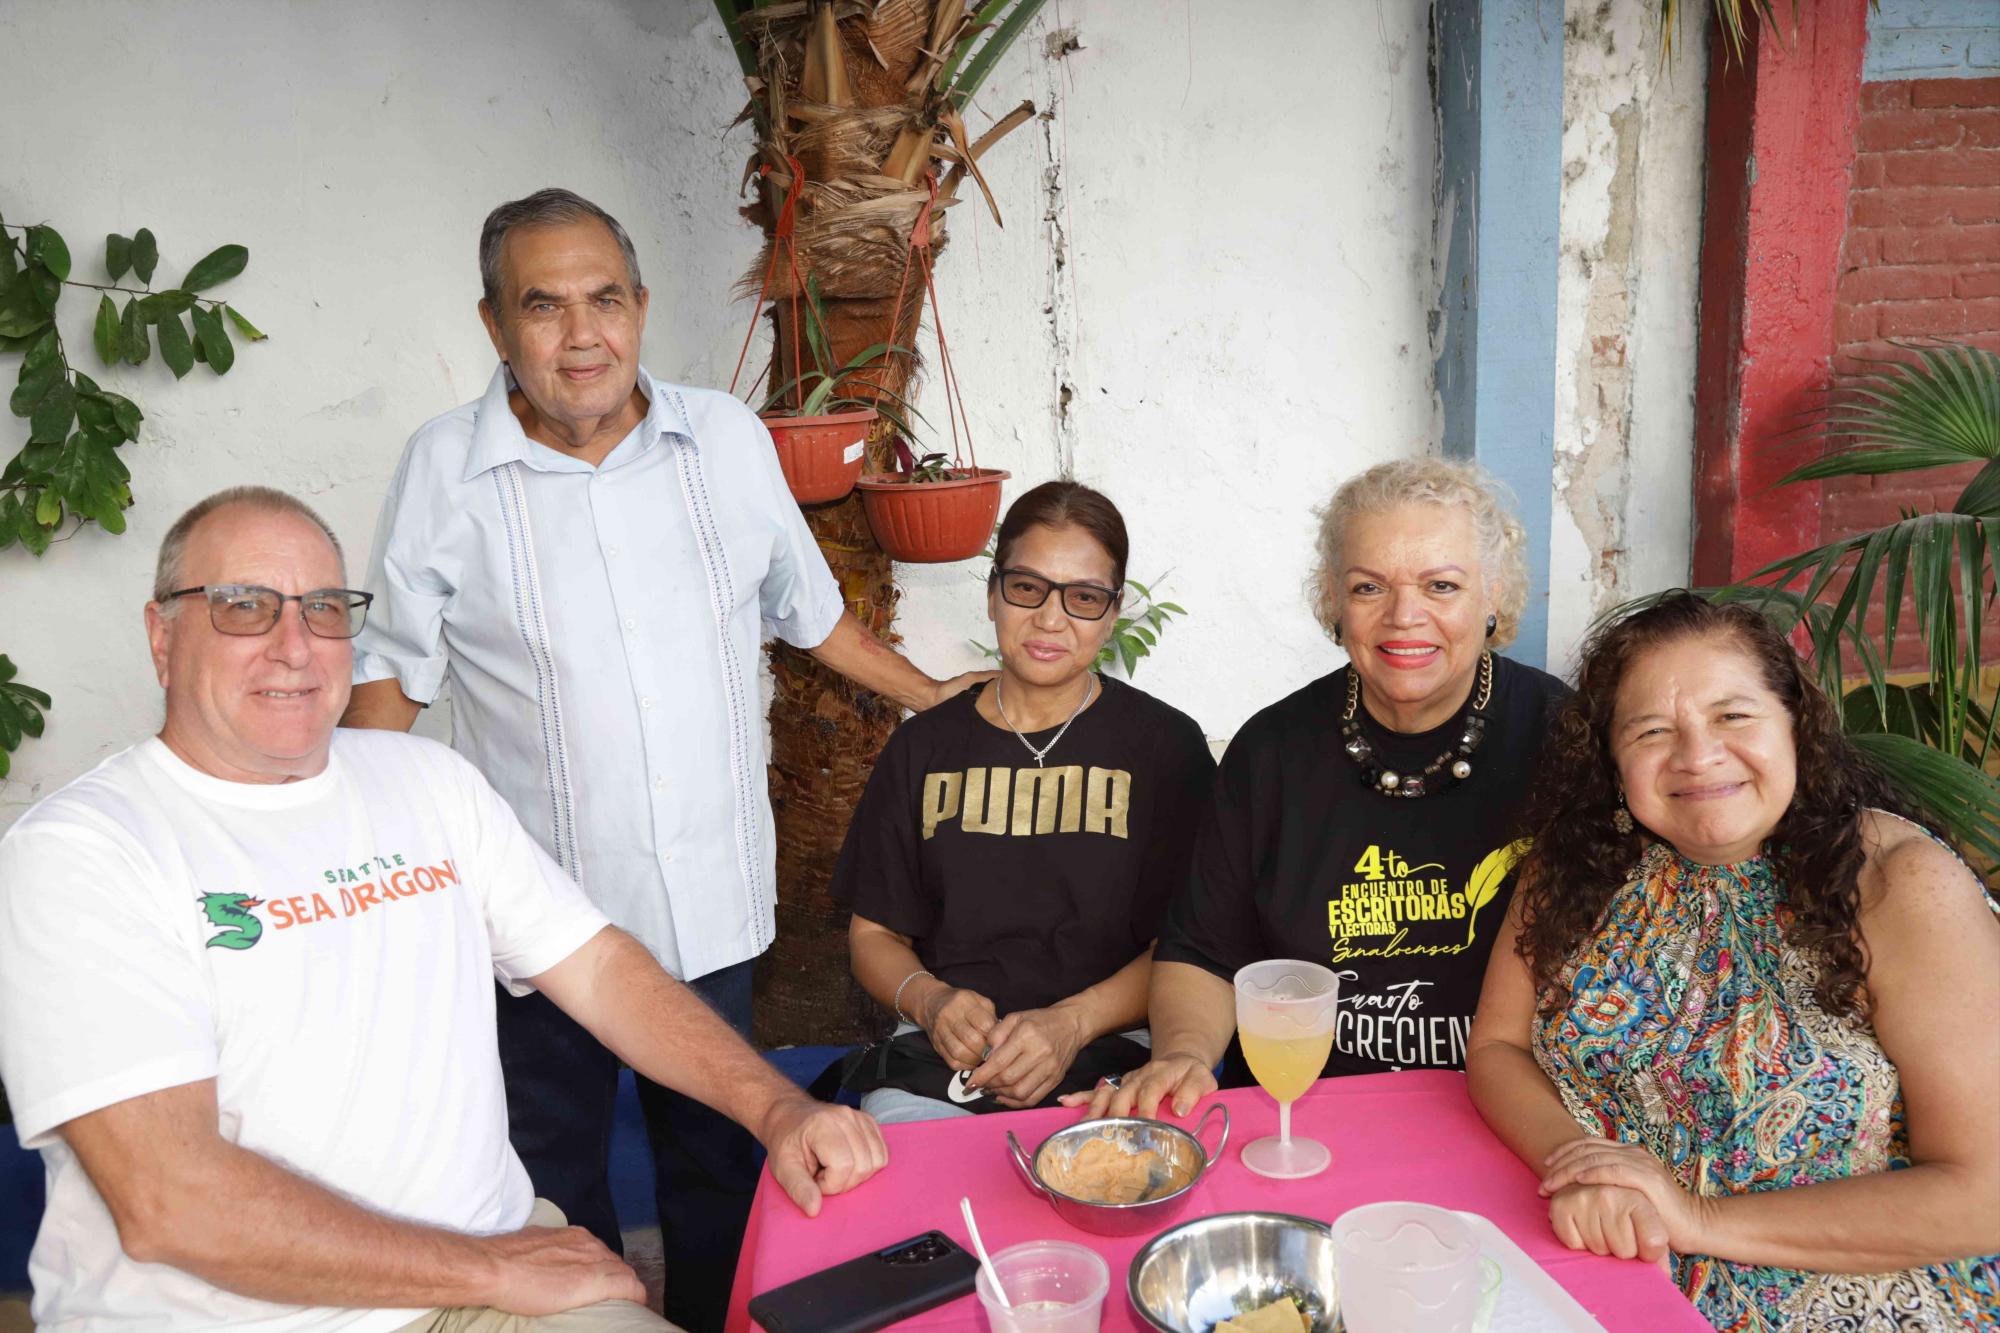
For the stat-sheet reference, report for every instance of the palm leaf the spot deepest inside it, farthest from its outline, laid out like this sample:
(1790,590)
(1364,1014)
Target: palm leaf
(1936,411)
(746,54)
(966,84)
(1962,798)
(1981,495)
(1731,14)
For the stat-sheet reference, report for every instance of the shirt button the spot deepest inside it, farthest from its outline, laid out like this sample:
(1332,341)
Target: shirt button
(645,703)
(659,784)
(611,551)
(631,624)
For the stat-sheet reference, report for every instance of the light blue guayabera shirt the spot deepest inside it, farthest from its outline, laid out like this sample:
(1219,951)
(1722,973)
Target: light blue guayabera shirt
(600,630)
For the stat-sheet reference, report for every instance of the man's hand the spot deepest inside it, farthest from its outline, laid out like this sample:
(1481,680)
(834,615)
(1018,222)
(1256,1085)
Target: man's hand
(818,1149)
(944,689)
(1185,1079)
(1032,1050)
(959,1023)
(547,1270)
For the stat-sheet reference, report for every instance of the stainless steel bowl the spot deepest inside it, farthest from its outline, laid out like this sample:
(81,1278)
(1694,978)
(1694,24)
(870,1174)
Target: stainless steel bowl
(1184,1158)
(1191,1278)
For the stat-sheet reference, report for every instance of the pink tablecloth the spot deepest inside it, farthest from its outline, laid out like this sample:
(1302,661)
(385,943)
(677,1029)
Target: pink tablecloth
(1394,1136)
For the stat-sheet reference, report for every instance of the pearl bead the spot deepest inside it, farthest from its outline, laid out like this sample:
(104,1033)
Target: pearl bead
(1461,770)
(1390,781)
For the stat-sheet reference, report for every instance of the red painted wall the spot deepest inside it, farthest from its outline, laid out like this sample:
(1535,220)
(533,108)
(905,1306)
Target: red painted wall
(1921,259)
(1781,144)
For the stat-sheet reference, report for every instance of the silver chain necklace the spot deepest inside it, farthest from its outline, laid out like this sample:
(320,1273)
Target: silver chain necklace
(1089,693)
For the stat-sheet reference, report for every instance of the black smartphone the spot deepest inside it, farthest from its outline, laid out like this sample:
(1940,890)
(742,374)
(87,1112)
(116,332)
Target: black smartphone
(872,1291)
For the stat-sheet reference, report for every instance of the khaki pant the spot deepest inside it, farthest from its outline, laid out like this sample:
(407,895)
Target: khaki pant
(604,1317)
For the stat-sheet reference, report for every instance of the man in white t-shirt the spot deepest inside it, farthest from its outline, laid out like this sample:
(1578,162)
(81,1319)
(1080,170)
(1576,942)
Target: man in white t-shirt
(245,1007)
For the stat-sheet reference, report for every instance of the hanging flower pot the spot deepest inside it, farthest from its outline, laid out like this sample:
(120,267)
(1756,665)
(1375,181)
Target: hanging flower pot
(821,455)
(923,519)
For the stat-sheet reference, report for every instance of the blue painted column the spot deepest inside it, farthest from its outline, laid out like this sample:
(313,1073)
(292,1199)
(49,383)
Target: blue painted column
(1499,71)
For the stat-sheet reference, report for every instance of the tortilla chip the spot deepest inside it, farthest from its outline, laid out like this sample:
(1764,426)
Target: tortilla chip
(1280,1316)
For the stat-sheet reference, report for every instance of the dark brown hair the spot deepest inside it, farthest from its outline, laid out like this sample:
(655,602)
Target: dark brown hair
(1056,504)
(1579,860)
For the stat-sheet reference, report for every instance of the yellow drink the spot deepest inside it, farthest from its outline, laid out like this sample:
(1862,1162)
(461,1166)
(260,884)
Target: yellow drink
(1287,1066)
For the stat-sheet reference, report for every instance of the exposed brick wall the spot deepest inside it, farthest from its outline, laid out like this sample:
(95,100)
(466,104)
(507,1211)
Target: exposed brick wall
(1921,261)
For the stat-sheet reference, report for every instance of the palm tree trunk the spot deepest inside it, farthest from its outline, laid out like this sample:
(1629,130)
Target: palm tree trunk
(825,730)
(825,734)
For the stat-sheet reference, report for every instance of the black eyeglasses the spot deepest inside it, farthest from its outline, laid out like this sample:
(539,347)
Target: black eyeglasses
(1085,601)
(245,608)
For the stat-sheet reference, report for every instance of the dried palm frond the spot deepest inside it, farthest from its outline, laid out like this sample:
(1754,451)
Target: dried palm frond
(1000,128)
(896,32)
(824,78)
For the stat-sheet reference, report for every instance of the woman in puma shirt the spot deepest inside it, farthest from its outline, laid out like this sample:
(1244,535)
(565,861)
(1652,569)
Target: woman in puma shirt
(1016,846)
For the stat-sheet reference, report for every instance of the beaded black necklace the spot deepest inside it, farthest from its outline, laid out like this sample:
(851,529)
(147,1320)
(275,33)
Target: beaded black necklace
(1447,770)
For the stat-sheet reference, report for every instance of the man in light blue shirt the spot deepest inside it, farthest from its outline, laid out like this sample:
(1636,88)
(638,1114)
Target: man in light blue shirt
(592,557)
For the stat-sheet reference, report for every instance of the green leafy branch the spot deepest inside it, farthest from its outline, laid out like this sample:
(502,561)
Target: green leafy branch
(1133,636)
(20,712)
(70,466)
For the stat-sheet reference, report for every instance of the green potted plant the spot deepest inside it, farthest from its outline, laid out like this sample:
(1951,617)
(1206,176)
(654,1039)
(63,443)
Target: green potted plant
(935,510)
(820,419)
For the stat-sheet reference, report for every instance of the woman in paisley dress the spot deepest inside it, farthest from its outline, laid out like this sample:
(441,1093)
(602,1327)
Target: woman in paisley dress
(1744,1015)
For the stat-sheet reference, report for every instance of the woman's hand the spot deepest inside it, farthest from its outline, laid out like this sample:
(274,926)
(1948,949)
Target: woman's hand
(958,1022)
(1184,1079)
(1032,1050)
(1608,1220)
(1592,1162)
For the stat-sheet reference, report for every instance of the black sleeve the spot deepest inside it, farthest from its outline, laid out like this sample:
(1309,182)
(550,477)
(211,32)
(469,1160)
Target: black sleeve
(1186,777)
(1213,923)
(880,873)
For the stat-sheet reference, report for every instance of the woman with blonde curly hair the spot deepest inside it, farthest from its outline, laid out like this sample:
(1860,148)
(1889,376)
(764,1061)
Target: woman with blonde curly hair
(1366,821)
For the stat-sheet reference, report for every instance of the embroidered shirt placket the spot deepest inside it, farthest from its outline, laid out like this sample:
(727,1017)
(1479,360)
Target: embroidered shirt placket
(735,689)
(534,628)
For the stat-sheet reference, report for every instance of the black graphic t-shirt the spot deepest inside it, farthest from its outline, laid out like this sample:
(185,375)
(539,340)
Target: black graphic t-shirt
(1028,884)
(1401,897)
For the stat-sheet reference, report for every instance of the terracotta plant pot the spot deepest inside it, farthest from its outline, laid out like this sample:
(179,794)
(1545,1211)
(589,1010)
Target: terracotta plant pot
(933,522)
(821,456)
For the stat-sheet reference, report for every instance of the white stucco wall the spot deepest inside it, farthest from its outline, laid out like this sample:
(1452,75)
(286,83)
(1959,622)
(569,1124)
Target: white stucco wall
(1235,298)
(1238,314)
(355,148)
(1240,320)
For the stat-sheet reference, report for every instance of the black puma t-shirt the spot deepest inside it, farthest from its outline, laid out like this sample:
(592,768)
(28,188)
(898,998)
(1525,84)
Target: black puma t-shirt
(1024,883)
(1401,897)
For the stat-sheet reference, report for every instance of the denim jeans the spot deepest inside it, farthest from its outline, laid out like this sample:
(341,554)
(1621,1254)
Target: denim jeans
(561,1088)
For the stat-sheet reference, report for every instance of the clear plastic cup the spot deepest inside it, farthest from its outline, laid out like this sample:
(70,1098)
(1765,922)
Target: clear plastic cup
(1055,1287)
(1408,1268)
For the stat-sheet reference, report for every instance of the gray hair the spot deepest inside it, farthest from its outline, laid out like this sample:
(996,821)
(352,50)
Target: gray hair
(168,572)
(1447,482)
(544,208)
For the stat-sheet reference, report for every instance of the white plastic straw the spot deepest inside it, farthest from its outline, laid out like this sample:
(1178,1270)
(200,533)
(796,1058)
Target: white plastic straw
(985,1259)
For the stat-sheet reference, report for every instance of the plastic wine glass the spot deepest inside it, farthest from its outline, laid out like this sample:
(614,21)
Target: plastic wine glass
(1284,1017)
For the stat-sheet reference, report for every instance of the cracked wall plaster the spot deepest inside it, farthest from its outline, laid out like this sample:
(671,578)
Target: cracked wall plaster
(1626,300)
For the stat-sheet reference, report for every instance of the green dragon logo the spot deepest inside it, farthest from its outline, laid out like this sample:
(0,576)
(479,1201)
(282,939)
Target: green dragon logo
(232,910)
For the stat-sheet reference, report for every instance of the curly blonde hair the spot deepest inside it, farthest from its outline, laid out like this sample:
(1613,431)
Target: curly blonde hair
(1449,482)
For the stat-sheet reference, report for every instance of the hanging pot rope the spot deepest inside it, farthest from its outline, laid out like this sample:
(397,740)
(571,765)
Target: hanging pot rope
(919,253)
(784,240)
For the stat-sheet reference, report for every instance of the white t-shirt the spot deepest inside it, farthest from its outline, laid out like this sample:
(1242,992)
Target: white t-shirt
(322,949)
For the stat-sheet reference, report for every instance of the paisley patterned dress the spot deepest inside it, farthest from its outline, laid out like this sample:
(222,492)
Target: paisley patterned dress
(1692,1029)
